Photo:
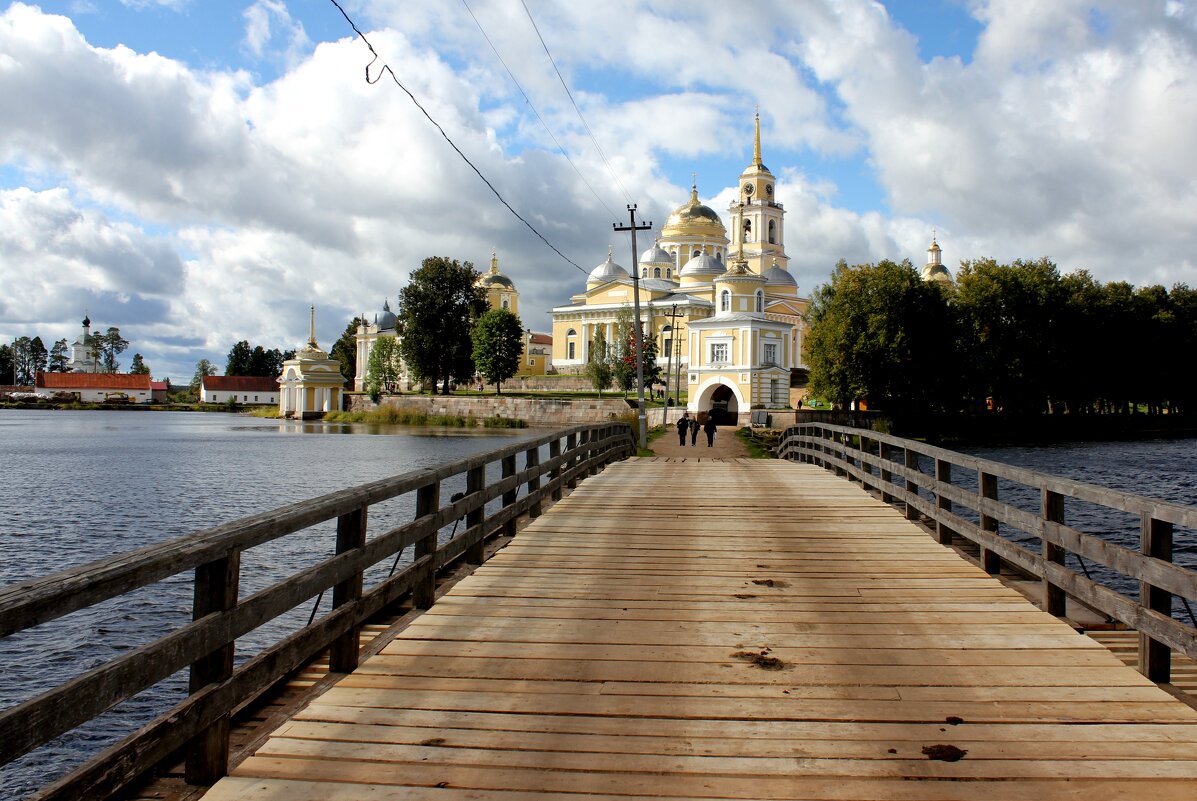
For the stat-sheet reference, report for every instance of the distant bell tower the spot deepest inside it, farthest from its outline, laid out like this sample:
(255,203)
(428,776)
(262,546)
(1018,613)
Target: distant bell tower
(756,217)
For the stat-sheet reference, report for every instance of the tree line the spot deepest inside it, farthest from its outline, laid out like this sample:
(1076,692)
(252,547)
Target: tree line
(1015,338)
(614,363)
(25,357)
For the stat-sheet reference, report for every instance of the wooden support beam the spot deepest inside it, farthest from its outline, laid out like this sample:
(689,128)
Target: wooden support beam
(943,473)
(990,562)
(351,534)
(428,501)
(216,590)
(1053,595)
(1155,541)
(475,482)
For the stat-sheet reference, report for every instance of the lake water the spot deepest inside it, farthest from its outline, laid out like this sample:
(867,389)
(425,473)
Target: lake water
(78,486)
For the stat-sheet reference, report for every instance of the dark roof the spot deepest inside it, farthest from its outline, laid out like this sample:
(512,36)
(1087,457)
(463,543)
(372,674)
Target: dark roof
(69,381)
(542,339)
(240,383)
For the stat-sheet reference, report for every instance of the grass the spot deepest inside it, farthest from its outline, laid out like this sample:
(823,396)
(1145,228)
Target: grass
(268,412)
(391,415)
(758,445)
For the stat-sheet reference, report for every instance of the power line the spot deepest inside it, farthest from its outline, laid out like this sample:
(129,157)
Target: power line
(386,68)
(528,100)
(570,94)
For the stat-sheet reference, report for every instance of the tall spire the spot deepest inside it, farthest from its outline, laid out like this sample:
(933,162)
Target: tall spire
(756,141)
(312,327)
(494,261)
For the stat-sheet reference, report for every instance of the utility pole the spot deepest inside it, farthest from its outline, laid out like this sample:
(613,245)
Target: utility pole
(669,362)
(636,332)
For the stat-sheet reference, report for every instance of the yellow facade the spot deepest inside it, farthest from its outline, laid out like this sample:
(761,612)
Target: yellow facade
(749,313)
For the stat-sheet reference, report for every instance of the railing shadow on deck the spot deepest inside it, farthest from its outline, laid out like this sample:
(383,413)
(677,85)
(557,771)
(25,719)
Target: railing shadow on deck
(891,466)
(200,723)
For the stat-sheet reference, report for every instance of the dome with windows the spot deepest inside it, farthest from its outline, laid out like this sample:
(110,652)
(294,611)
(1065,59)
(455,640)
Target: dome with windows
(776,276)
(655,255)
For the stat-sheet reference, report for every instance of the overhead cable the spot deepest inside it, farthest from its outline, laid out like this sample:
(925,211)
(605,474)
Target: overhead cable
(570,94)
(528,100)
(387,69)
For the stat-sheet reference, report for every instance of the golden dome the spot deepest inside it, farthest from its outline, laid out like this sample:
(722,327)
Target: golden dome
(494,277)
(693,217)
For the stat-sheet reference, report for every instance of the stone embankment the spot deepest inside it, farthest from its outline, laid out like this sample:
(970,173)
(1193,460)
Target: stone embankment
(533,411)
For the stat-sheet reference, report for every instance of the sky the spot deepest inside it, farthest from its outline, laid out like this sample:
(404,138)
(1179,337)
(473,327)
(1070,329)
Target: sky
(198,172)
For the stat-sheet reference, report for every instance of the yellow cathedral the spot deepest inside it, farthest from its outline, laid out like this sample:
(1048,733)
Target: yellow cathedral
(725,308)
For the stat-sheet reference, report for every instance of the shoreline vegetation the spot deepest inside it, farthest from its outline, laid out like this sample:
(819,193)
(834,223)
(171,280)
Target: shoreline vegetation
(390,415)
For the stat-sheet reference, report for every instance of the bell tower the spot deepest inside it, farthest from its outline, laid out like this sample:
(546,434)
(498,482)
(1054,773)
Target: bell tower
(756,217)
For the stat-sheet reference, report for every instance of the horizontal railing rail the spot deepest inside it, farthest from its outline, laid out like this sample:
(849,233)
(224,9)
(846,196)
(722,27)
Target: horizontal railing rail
(891,466)
(200,723)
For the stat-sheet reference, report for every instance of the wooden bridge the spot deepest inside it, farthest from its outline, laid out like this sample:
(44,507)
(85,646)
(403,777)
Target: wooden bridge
(721,629)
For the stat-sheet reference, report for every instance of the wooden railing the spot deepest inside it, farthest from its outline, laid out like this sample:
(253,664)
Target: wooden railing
(200,723)
(891,466)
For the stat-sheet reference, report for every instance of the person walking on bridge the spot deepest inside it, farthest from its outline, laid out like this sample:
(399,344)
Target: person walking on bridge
(682,425)
(694,426)
(709,428)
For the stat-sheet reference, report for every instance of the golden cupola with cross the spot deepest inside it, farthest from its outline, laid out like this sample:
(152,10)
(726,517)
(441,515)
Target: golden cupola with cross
(757,219)
(500,290)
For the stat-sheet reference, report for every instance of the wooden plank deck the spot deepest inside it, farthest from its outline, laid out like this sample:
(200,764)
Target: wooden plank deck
(735,629)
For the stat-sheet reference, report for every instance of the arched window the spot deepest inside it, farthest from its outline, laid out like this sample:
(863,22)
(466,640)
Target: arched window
(656,272)
(772,232)
(506,303)
(668,272)
(697,253)
(748,230)
(571,349)
(644,272)
(725,301)
(760,300)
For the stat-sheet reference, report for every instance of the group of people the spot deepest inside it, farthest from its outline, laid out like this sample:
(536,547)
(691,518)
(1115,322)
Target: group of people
(691,425)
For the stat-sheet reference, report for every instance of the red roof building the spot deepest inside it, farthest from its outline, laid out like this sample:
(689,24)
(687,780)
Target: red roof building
(239,389)
(94,386)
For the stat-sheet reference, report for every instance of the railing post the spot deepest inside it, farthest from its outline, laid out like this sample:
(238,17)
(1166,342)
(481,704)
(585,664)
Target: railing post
(476,483)
(1053,512)
(532,459)
(911,460)
(885,455)
(838,444)
(510,495)
(990,562)
(1155,540)
(943,473)
(555,473)
(351,533)
(428,501)
(571,445)
(216,589)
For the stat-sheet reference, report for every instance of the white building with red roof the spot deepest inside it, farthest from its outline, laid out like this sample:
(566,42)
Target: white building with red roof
(247,389)
(94,387)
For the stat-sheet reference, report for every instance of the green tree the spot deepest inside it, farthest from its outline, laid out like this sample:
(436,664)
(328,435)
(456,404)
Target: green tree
(1013,316)
(58,357)
(622,352)
(203,369)
(344,349)
(138,367)
(881,333)
(29,358)
(437,311)
(240,359)
(6,365)
(598,364)
(498,339)
(104,348)
(384,367)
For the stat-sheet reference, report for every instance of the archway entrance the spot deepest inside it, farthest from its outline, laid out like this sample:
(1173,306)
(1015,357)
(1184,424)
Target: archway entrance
(723,406)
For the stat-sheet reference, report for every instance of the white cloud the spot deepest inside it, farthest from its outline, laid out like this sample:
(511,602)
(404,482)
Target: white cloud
(207,207)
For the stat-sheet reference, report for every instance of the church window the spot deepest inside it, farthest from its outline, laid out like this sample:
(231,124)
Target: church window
(656,272)
(668,272)
(724,300)
(748,230)
(718,353)
(506,303)
(697,253)
(770,353)
(772,232)
(760,301)
(668,348)
(644,272)
(571,351)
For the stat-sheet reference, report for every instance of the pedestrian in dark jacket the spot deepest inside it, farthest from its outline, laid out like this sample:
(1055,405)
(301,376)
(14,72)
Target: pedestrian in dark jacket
(694,426)
(709,428)
(682,426)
